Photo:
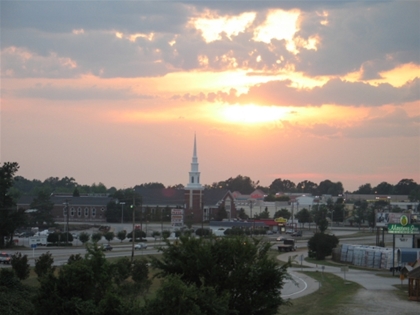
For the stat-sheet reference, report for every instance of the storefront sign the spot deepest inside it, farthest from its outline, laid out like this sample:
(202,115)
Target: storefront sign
(403,229)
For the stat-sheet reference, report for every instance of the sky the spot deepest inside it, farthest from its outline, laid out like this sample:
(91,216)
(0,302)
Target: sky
(114,92)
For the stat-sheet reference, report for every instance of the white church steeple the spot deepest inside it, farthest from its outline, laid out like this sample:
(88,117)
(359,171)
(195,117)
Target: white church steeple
(194,181)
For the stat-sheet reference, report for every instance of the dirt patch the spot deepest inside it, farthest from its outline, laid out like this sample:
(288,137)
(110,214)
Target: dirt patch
(384,302)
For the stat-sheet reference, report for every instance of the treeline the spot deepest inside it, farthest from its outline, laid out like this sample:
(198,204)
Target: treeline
(242,184)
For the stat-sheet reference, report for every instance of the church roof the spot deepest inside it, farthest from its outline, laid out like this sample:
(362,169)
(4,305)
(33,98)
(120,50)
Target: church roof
(163,196)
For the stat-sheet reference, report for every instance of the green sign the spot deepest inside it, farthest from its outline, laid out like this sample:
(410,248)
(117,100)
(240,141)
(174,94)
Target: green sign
(403,229)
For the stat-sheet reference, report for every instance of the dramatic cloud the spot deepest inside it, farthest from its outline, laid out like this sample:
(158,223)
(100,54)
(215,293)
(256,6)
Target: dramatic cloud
(266,86)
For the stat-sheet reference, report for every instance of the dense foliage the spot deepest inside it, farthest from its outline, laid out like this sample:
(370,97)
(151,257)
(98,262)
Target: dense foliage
(321,245)
(238,267)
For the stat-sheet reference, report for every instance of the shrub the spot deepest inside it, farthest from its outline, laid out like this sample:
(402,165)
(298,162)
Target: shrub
(44,264)
(20,266)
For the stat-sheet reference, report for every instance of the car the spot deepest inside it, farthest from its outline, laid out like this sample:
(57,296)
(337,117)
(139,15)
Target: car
(5,258)
(269,232)
(140,246)
(106,247)
(281,238)
(297,233)
(289,231)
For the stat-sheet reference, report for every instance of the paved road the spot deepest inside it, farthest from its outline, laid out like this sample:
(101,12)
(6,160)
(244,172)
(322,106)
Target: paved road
(367,279)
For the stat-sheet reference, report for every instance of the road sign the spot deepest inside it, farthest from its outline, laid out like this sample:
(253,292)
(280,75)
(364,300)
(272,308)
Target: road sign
(33,246)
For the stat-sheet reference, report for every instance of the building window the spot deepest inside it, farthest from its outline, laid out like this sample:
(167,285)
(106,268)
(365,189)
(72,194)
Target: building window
(93,212)
(102,209)
(192,180)
(72,212)
(79,212)
(65,211)
(86,212)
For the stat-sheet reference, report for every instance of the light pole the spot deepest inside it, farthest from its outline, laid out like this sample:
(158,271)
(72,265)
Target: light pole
(251,216)
(67,221)
(133,235)
(122,211)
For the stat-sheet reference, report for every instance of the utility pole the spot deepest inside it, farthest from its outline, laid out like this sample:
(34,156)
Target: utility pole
(67,223)
(122,211)
(251,217)
(133,234)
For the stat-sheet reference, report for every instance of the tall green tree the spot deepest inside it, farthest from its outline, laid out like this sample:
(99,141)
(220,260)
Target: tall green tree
(307,187)
(240,183)
(365,189)
(405,187)
(42,203)
(321,245)
(10,217)
(383,188)
(304,216)
(282,185)
(193,300)
(90,285)
(44,264)
(240,267)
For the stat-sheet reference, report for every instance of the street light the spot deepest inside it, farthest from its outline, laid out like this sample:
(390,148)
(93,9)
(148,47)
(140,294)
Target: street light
(122,211)
(67,220)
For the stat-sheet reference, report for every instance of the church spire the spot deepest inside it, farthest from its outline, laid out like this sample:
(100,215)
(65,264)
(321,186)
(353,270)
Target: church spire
(194,181)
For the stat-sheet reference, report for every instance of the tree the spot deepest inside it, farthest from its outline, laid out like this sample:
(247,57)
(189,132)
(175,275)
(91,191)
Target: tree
(319,214)
(243,184)
(327,187)
(109,236)
(263,215)
(282,213)
(53,238)
(42,203)
(304,216)
(279,185)
(84,237)
(122,235)
(44,264)
(405,187)
(383,188)
(140,275)
(96,237)
(89,285)
(239,267)
(360,214)
(10,217)
(365,189)
(193,300)
(221,213)
(14,295)
(20,266)
(307,187)
(139,234)
(321,245)
(242,215)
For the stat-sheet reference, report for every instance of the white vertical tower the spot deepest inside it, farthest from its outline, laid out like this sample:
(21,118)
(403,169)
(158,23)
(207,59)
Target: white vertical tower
(194,181)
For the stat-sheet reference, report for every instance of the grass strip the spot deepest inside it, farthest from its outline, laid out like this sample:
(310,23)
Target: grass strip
(332,296)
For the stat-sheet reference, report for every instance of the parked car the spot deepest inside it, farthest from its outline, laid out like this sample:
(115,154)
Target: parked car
(297,233)
(281,238)
(140,246)
(106,247)
(289,231)
(5,258)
